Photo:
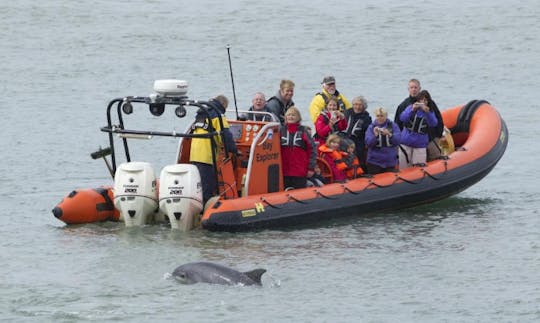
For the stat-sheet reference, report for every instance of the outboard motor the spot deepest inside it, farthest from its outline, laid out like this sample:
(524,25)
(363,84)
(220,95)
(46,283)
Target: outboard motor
(180,195)
(135,194)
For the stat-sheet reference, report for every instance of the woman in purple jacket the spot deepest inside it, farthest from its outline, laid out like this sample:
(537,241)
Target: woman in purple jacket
(382,139)
(416,119)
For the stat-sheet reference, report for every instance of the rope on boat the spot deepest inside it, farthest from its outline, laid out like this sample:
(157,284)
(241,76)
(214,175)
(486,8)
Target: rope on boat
(434,177)
(228,187)
(269,204)
(346,189)
(425,174)
(411,182)
(295,199)
(325,196)
(428,174)
(379,185)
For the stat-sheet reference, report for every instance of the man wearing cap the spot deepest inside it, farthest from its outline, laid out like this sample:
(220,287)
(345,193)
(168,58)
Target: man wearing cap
(328,91)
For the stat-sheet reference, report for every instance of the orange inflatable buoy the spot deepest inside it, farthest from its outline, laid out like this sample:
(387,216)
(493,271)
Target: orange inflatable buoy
(87,206)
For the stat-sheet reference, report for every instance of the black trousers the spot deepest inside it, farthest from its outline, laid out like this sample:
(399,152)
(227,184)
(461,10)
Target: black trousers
(295,182)
(208,180)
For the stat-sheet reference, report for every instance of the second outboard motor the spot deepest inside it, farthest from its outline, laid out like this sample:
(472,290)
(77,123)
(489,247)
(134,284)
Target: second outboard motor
(180,195)
(135,192)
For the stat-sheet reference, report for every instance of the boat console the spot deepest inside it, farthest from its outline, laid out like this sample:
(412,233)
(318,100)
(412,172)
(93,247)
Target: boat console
(258,167)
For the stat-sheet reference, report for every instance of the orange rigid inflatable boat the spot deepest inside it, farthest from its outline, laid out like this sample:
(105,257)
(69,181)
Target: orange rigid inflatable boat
(250,192)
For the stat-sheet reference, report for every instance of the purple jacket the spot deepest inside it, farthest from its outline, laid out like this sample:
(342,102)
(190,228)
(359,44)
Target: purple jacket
(383,155)
(412,138)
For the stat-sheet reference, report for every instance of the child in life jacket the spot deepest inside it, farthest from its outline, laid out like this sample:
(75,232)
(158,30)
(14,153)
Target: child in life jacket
(334,157)
(348,151)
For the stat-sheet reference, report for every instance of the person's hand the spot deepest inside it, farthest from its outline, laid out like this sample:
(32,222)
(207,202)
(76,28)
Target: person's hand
(333,120)
(386,132)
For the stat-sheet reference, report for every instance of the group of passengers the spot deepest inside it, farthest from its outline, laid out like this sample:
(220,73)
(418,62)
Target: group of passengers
(348,139)
(345,135)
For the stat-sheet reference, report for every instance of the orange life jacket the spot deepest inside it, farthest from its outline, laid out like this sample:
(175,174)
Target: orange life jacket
(354,170)
(336,155)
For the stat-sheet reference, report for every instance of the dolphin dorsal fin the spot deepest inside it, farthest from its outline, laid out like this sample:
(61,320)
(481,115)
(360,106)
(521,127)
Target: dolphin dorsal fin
(255,274)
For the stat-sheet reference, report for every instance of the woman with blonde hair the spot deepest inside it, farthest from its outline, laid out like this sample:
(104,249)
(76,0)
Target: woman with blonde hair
(298,155)
(382,139)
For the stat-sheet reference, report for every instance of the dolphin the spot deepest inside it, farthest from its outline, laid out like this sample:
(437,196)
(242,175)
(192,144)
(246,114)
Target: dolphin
(212,273)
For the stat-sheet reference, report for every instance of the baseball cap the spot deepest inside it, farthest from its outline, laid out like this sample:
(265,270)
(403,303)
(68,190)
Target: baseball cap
(329,79)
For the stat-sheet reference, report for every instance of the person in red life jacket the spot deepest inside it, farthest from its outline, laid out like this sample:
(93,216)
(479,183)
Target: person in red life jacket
(331,120)
(333,156)
(348,150)
(298,154)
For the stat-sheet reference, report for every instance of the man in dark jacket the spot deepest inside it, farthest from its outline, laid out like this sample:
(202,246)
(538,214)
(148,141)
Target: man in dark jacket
(279,103)
(434,133)
(201,148)
(259,105)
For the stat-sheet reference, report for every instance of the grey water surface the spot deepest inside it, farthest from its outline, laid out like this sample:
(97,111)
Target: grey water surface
(474,257)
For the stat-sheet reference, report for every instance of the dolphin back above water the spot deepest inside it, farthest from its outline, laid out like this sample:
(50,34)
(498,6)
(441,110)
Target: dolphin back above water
(208,272)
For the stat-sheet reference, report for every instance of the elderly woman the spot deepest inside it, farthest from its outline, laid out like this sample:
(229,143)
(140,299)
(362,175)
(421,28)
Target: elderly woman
(298,153)
(358,120)
(382,139)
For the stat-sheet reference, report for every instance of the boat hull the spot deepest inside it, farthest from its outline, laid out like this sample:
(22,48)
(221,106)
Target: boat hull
(485,139)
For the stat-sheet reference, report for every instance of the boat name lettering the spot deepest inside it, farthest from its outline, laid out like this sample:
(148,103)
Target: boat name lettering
(175,192)
(128,185)
(259,208)
(248,213)
(266,157)
(130,190)
(267,146)
(175,187)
